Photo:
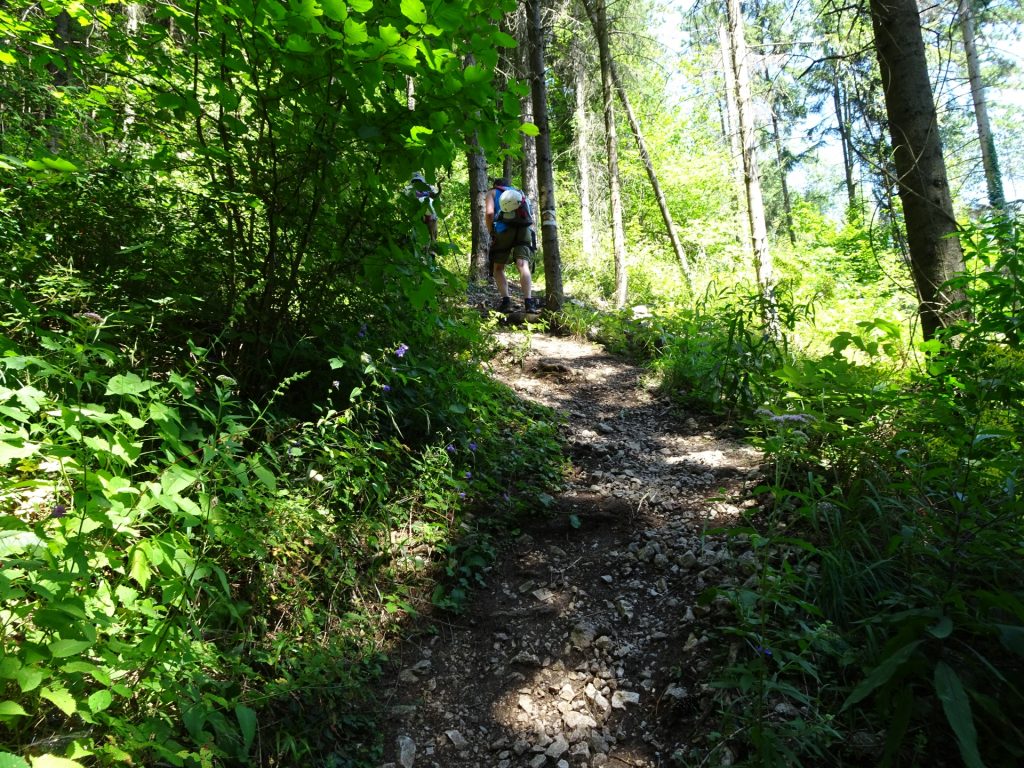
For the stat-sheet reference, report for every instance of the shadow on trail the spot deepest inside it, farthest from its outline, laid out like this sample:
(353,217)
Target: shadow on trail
(580,649)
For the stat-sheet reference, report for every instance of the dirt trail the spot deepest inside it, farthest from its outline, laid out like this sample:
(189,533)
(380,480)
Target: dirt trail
(587,647)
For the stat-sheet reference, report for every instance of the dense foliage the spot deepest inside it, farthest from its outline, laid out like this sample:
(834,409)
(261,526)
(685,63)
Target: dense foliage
(243,423)
(246,432)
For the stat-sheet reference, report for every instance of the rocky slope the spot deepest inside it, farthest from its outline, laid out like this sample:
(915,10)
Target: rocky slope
(588,646)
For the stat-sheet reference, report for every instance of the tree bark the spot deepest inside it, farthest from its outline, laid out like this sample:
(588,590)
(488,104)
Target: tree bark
(989,158)
(732,133)
(645,157)
(612,151)
(553,294)
(780,158)
(843,126)
(582,120)
(481,238)
(529,164)
(763,267)
(935,253)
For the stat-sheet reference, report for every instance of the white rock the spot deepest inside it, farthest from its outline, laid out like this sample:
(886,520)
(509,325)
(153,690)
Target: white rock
(621,698)
(406,751)
(558,747)
(456,739)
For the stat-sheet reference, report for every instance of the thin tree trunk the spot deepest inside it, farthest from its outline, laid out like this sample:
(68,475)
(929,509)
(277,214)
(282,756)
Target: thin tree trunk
(553,295)
(843,127)
(780,158)
(529,164)
(582,119)
(935,252)
(612,151)
(634,124)
(989,158)
(481,238)
(752,175)
(732,132)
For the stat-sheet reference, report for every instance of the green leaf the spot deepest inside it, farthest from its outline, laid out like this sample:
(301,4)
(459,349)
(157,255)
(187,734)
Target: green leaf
(530,129)
(943,629)
(52,761)
(881,674)
(335,9)
(61,699)
(355,32)
(61,649)
(247,722)
(14,447)
(360,6)
(11,709)
(128,384)
(59,164)
(414,11)
(17,542)
(140,567)
(7,58)
(475,74)
(958,712)
(264,475)
(298,44)
(29,678)
(100,700)
(7,760)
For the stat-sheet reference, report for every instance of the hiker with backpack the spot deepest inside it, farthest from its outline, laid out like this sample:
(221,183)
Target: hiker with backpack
(513,238)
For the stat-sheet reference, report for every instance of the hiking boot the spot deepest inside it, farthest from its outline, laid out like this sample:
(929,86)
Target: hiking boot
(505,305)
(532,305)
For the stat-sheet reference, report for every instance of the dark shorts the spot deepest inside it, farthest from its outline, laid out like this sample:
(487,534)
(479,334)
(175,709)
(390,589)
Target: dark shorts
(519,252)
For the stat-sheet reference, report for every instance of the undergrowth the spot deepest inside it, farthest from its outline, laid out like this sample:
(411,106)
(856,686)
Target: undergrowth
(886,620)
(192,579)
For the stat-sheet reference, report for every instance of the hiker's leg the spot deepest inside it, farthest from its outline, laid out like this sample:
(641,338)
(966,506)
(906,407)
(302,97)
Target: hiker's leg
(525,281)
(499,279)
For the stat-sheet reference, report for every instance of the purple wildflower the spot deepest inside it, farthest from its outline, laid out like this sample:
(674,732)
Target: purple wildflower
(450,448)
(59,510)
(469,475)
(462,494)
(401,350)
(362,331)
(766,652)
(386,387)
(472,447)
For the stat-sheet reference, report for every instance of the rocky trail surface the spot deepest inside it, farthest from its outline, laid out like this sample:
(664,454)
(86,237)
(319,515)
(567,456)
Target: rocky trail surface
(588,646)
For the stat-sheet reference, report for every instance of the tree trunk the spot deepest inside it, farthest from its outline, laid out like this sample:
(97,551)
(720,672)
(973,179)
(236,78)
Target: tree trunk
(481,238)
(553,295)
(582,119)
(780,158)
(641,145)
(612,151)
(843,126)
(751,173)
(989,158)
(935,252)
(732,133)
(529,164)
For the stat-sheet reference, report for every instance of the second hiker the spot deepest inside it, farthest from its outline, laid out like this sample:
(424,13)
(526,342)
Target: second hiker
(513,239)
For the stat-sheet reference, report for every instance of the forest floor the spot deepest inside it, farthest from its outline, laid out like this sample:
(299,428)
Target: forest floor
(587,646)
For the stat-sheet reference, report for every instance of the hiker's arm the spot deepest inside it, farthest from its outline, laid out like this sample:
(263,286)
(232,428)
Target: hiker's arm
(489,210)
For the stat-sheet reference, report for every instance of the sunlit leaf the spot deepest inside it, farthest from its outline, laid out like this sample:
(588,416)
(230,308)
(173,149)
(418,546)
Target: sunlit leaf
(414,11)
(61,699)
